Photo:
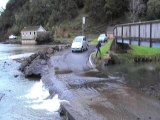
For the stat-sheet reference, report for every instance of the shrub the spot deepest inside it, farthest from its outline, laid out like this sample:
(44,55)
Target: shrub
(44,37)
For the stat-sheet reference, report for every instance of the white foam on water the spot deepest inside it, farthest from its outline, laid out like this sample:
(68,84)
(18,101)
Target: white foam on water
(17,56)
(51,105)
(36,98)
(20,56)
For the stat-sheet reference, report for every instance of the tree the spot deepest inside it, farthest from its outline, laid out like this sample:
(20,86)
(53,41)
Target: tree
(95,9)
(80,3)
(114,9)
(63,10)
(105,10)
(137,9)
(153,9)
(44,37)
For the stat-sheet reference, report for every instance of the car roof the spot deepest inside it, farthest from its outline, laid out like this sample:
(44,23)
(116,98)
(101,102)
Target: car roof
(80,36)
(103,34)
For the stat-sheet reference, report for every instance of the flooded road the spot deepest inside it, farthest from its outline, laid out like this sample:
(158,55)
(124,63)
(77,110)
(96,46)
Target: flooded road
(23,99)
(95,95)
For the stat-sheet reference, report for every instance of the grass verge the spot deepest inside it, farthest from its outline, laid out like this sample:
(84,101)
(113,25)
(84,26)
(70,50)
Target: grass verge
(94,41)
(105,48)
(64,40)
(143,51)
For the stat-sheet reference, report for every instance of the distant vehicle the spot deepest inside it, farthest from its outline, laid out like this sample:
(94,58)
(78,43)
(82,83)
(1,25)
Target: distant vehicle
(12,37)
(80,43)
(102,38)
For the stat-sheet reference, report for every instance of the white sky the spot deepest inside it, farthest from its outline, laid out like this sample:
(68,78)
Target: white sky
(3,3)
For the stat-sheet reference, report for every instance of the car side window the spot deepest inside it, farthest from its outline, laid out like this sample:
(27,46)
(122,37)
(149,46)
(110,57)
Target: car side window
(84,38)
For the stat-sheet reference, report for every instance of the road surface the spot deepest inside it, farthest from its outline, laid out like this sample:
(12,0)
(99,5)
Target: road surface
(90,97)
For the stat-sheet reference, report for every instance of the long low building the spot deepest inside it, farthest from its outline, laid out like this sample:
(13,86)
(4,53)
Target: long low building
(145,33)
(29,34)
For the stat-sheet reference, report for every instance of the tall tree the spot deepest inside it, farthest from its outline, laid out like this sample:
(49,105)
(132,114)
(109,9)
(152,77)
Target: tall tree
(114,9)
(137,9)
(95,9)
(153,9)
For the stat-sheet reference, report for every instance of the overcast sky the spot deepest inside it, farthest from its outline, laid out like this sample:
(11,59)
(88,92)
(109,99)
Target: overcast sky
(3,3)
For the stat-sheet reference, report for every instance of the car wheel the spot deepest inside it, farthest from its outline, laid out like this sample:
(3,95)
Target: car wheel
(82,49)
(87,47)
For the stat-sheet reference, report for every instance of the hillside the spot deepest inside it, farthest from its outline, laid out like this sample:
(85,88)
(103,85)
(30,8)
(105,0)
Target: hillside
(63,17)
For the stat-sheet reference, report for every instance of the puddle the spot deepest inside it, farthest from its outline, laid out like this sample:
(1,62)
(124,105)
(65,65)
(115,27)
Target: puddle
(97,74)
(95,84)
(63,71)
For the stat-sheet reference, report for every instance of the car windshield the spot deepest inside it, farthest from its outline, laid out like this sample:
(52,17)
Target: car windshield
(77,39)
(102,35)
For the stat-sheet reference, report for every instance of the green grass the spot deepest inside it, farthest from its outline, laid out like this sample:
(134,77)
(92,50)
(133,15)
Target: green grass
(105,48)
(94,41)
(144,51)
(64,40)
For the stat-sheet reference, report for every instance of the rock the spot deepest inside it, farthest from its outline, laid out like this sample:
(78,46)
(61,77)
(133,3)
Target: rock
(35,68)
(36,64)
(138,118)
(1,96)
(43,62)
(15,76)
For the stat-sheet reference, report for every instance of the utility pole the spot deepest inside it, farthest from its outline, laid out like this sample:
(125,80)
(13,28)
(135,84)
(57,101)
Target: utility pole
(83,23)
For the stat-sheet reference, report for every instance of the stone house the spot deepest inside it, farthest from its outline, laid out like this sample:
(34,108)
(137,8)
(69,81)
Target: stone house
(29,34)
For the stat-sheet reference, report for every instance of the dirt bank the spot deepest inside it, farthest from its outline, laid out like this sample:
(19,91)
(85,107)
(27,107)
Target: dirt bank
(36,64)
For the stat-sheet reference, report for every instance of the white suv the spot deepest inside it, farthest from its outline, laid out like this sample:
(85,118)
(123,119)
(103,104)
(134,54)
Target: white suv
(80,43)
(102,38)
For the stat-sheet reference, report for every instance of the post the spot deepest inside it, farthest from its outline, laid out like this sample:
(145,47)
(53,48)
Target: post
(83,23)
(139,34)
(122,34)
(150,35)
(82,29)
(130,34)
(116,35)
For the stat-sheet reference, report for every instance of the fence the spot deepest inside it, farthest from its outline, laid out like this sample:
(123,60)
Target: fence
(141,33)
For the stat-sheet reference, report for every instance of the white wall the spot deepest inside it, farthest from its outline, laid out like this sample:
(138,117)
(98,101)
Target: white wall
(29,35)
(144,31)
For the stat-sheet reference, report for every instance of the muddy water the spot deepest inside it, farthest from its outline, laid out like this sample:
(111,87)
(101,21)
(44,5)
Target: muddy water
(136,75)
(23,99)
(119,97)
(102,95)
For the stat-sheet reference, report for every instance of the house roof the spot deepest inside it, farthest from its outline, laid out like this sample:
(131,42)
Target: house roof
(31,28)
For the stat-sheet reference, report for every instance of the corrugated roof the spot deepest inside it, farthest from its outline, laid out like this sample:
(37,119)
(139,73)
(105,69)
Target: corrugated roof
(31,28)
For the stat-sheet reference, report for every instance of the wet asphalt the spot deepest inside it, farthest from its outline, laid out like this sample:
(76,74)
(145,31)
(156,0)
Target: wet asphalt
(71,76)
